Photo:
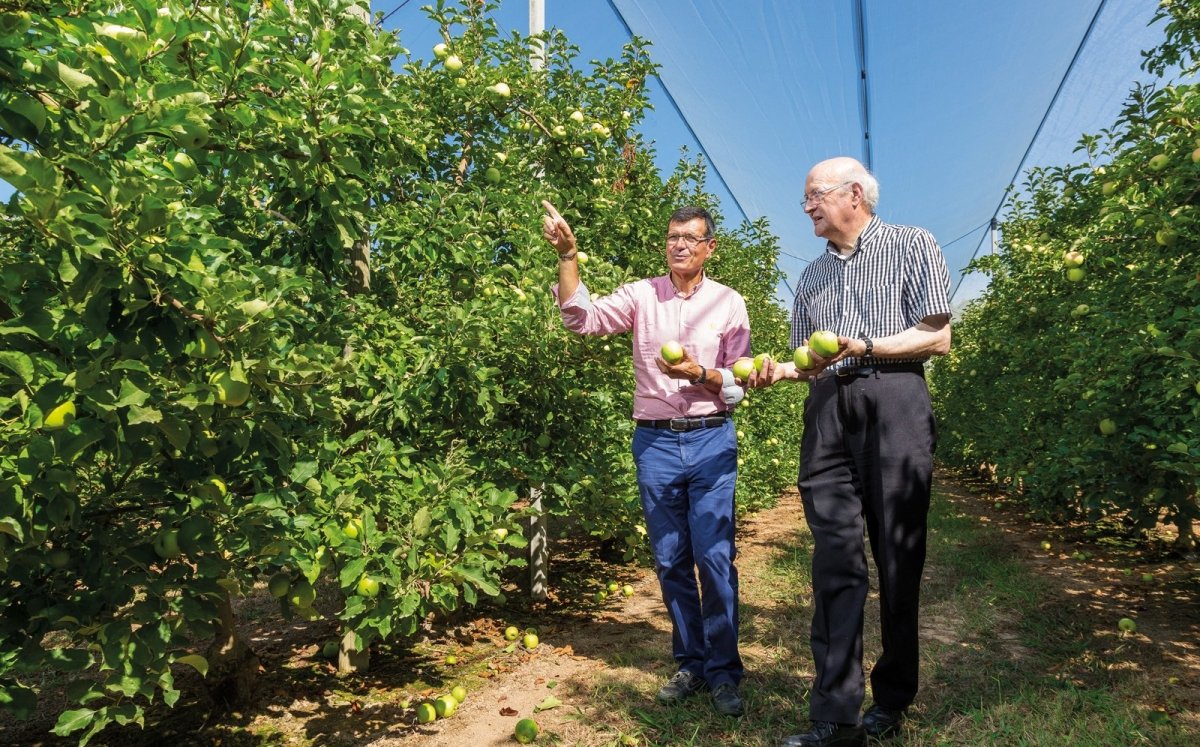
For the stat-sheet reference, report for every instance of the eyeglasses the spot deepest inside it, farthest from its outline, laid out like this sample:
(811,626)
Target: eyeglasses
(816,198)
(686,239)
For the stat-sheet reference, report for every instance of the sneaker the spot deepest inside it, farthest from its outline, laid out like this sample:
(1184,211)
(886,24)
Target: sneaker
(682,685)
(726,700)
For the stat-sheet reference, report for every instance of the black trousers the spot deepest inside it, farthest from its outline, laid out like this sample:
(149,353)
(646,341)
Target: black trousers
(866,462)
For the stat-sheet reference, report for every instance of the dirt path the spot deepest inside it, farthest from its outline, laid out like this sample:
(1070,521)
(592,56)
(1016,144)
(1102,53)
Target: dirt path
(576,659)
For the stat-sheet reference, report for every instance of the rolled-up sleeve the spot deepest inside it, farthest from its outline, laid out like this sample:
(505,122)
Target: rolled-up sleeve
(601,316)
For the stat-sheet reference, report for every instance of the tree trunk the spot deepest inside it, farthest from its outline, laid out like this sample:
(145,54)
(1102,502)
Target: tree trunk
(350,659)
(232,665)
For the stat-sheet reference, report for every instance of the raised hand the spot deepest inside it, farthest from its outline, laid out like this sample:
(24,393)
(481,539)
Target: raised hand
(556,231)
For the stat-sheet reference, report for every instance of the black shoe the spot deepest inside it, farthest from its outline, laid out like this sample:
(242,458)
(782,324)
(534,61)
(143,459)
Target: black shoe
(828,734)
(726,700)
(682,685)
(881,723)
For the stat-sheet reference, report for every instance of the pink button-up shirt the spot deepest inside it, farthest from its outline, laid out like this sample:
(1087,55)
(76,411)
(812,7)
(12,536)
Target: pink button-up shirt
(711,323)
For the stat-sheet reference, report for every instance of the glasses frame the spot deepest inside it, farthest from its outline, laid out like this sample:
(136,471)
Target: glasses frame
(691,242)
(816,198)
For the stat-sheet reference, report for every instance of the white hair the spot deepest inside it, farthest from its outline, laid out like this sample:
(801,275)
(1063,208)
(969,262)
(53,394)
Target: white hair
(847,169)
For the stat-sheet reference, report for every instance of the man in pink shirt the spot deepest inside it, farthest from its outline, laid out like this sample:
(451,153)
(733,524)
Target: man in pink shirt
(685,446)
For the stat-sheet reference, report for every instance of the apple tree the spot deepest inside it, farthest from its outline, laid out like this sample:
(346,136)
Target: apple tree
(1075,378)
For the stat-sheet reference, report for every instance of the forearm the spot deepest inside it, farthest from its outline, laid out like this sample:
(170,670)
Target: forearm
(931,336)
(568,276)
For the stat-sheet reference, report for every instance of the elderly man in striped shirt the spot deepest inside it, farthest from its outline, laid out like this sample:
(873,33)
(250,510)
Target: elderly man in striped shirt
(866,455)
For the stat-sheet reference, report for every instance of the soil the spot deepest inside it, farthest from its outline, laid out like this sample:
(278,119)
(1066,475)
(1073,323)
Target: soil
(622,644)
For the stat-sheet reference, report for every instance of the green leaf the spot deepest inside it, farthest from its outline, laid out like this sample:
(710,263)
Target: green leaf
(352,571)
(144,415)
(475,576)
(301,471)
(176,431)
(547,704)
(18,363)
(131,394)
(17,699)
(196,661)
(72,721)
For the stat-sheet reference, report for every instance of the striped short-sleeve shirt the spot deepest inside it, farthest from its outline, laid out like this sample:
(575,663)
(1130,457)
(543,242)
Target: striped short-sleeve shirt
(895,277)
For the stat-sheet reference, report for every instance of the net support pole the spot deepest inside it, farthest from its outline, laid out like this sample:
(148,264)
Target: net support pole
(539,549)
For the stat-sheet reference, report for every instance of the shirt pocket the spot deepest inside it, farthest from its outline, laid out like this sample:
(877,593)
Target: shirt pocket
(883,314)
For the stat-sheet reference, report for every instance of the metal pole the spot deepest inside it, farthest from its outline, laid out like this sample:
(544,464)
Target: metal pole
(539,550)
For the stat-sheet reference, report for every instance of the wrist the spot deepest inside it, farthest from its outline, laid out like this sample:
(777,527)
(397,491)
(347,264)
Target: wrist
(868,346)
(568,256)
(701,377)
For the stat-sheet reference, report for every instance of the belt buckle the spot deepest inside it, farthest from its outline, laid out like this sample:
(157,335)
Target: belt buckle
(846,371)
(683,425)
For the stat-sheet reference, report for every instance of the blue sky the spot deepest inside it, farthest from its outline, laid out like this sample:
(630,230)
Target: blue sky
(957,89)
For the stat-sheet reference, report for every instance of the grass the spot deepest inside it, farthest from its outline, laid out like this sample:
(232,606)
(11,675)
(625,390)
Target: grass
(1008,659)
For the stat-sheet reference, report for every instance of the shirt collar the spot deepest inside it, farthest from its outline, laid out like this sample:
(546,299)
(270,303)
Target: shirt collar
(868,234)
(695,290)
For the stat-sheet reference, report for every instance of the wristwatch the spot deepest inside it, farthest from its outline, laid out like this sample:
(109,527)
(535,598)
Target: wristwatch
(870,346)
(703,375)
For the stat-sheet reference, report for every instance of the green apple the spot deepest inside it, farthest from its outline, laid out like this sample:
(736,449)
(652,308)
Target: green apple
(760,360)
(190,135)
(302,594)
(577,116)
(1108,426)
(229,391)
(1073,258)
(453,63)
(742,368)
(445,706)
(426,713)
(526,731)
(613,587)
(1075,274)
(600,596)
(1127,625)
(1147,577)
(459,693)
(802,358)
(559,131)
(460,82)
(1159,162)
(59,558)
(183,167)
(530,640)
(500,533)
(353,528)
(672,351)
(1046,545)
(451,660)
(368,587)
(60,417)
(330,649)
(578,151)
(492,175)
(627,590)
(581,257)
(502,90)
(1166,237)
(279,585)
(511,633)
(204,345)
(1080,310)
(1108,188)
(1196,156)
(166,544)
(824,343)
(441,51)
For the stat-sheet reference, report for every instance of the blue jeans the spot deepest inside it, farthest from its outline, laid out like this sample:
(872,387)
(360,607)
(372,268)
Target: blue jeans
(686,482)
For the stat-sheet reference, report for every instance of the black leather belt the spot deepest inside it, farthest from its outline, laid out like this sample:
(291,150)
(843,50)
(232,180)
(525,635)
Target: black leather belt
(682,425)
(880,368)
